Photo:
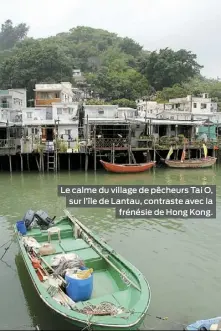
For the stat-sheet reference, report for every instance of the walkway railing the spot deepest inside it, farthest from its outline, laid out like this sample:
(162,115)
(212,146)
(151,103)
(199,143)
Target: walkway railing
(109,142)
(7,143)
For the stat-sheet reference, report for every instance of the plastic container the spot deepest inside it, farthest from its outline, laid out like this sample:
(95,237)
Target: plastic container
(21,227)
(79,289)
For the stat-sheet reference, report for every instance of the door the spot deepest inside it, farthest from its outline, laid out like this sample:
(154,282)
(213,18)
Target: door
(49,134)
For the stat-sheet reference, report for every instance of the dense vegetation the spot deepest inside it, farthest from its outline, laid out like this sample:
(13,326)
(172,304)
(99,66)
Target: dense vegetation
(118,69)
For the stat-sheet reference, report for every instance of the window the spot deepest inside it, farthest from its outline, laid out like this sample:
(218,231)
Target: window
(67,132)
(70,110)
(177,105)
(203,106)
(195,105)
(101,112)
(34,130)
(29,115)
(59,111)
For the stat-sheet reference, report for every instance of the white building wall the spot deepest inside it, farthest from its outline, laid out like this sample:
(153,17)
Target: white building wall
(65,112)
(179,108)
(101,111)
(19,98)
(37,116)
(126,112)
(14,98)
(66,130)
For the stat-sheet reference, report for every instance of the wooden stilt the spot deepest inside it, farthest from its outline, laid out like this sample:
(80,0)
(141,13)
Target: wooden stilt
(37,163)
(80,160)
(113,153)
(21,158)
(28,165)
(86,161)
(10,162)
(58,162)
(132,156)
(129,145)
(42,162)
(86,148)
(95,150)
(69,162)
(95,158)
(148,155)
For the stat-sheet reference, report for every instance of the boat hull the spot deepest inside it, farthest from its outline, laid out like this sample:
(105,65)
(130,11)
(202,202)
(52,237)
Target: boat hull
(127,168)
(80,320)
(192,163)
(76,323)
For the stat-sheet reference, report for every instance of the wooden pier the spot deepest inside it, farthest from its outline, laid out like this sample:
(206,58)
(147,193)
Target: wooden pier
(118,143)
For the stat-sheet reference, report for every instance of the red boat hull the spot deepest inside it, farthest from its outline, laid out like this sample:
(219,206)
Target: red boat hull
(127,168)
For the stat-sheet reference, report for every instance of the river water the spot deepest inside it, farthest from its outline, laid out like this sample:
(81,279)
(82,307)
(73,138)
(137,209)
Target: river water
(180,257)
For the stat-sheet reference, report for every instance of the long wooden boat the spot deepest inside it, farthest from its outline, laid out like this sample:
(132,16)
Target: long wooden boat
(117,284)
(191,163)
(127,168)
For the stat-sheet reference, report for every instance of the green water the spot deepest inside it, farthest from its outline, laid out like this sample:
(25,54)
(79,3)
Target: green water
(180,257)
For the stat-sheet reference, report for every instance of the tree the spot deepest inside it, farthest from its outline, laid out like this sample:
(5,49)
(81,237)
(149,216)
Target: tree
(36,63)
(129,46)
(10,35)
(95,102)
(124,103)
(176,91)
(116,68)
(120,84)
(167,67)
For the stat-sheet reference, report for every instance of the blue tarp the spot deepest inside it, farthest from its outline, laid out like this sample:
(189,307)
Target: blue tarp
(203,323)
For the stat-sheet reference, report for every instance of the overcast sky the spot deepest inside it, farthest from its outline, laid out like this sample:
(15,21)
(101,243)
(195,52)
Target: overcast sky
(191,24)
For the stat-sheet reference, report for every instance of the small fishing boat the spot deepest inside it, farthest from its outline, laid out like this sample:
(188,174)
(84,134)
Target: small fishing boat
(114,294)
(184,163)
(203,325)
(127,168)
(191,163)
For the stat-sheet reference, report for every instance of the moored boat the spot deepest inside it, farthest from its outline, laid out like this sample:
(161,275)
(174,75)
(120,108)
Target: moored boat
(184,163)
(203,325)
(112,293)
(127,168)
(191,163)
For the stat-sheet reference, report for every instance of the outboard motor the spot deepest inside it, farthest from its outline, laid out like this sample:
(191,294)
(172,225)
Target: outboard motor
(43,220)
(29,218)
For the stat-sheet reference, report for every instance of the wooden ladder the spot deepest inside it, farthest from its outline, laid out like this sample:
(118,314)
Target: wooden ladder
(51,161)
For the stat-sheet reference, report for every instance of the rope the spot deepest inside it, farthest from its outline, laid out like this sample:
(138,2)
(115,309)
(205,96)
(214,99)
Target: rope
(158,154)
(6,243)
(6,249)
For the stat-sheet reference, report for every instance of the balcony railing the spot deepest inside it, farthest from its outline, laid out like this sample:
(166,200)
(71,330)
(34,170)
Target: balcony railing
(7,143)
(109,142)
(46,102)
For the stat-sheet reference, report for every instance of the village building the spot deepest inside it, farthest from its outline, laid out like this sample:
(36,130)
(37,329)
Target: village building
(181,116)
(13,99)
(46,94)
